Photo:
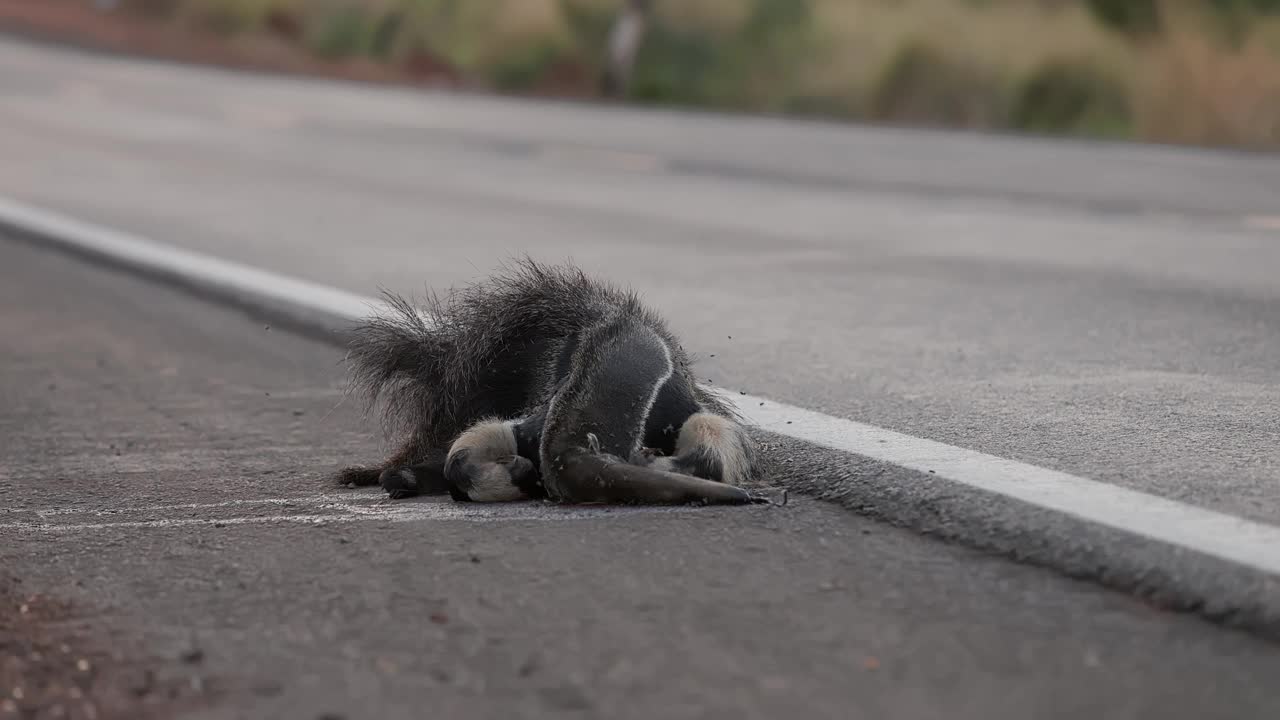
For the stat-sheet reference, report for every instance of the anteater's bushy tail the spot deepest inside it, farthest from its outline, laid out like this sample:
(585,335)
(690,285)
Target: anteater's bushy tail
(437,368)
(396,361)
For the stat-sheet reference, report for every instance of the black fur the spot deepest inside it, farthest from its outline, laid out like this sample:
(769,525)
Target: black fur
(504,348)
(411,480)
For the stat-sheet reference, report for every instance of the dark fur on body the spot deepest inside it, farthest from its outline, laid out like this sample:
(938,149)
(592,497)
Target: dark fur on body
(503,350)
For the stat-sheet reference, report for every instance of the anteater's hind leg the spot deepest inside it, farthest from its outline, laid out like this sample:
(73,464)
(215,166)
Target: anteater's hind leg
(709,446)
(624,380)
(585,475)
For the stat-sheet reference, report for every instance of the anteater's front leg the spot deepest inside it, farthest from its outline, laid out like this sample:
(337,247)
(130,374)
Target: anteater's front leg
(486,462)
(709,446)
(411,452)
(585,475)
(412,480)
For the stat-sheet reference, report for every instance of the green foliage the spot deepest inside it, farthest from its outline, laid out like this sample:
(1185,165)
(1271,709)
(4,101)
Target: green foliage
(752,65)
(777,42)
(522,67)
(346,31)
(677,65)
(383,33)
(588,25)
(1143,17)
(922,84)
(1071,97)
(1245,7)
(773,20)
(1132,17)
(1234,17)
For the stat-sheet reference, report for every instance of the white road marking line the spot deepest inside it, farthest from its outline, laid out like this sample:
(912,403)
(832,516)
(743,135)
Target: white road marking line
(1244,542)
(375,508)
(198,269)
(172,522)
(1224,536)
(310,500)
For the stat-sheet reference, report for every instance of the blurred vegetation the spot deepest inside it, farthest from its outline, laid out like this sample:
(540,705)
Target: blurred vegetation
(1165,70)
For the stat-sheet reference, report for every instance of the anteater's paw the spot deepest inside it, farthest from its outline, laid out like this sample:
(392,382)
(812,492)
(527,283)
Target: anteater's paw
(652,458)
(399,483)
(518,467)
(358,476)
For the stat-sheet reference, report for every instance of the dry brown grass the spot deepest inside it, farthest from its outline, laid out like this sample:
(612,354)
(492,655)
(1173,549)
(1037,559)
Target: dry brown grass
(1186,86)
(1194,90)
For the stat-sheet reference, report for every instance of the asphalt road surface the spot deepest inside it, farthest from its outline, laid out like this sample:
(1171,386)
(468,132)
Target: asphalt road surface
(1106,311)
(174,456)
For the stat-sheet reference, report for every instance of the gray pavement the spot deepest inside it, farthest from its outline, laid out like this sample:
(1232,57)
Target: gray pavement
(141,427)
(1109,311)
(1104,310)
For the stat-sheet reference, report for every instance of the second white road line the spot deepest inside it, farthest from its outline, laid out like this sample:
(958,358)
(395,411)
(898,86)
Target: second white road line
(314,509)
(1236,540)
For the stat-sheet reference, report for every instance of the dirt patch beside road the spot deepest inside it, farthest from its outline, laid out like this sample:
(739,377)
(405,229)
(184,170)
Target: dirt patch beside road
(56,663)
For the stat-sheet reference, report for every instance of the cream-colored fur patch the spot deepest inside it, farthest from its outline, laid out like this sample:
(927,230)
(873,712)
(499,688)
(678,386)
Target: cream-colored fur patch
(718,435)
(493,484)
(488,441)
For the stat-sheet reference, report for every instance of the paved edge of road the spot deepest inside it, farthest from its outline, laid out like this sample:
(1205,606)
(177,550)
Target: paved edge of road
(1179,557)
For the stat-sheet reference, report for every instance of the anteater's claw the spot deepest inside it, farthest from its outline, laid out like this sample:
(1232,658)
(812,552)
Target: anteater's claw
(761,499)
